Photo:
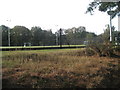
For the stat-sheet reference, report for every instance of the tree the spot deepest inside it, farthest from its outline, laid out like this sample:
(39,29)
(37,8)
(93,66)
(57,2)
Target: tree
(42,37)
(20,35)
(70,37)
(90,36)
(78,35)
(4,35)
(48,38)
(37,36)
(109,7)
(112,9)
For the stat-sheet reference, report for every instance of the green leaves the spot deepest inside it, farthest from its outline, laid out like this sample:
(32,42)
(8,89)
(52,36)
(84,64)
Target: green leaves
(104,7)
(20,35)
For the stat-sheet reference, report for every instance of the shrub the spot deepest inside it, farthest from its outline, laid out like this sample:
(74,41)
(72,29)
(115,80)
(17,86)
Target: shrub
(101,49)
(89,52)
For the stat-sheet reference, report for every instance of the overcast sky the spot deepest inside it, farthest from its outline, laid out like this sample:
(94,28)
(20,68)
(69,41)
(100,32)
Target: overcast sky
(52,14)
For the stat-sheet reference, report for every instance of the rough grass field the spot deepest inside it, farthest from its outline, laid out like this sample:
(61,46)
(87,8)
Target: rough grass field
(58,69)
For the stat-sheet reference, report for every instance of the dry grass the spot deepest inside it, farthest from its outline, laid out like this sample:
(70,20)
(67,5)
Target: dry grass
(58,70)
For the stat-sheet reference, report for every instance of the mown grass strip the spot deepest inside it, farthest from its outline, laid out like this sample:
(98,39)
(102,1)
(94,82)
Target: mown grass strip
(40,46)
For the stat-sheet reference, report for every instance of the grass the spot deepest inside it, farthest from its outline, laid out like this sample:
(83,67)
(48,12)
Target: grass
(39,46)
(58,69)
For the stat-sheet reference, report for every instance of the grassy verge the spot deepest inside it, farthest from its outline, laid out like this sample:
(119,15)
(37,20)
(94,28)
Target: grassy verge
(40,46)
(58,69)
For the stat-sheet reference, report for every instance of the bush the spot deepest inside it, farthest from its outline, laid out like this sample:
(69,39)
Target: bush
(101,49)
(117,48)
(89,52)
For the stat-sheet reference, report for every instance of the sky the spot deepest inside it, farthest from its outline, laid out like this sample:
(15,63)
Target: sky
(53,14)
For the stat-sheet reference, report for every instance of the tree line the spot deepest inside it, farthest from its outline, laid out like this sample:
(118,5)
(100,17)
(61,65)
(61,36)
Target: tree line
(20,36)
